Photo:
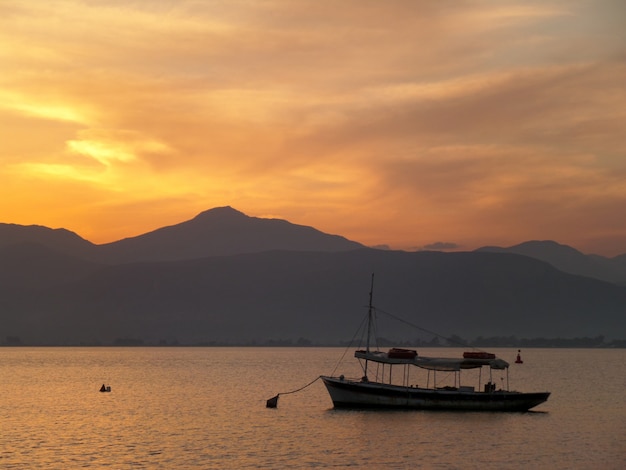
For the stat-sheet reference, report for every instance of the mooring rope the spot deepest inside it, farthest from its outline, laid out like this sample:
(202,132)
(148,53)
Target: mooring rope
(360,329)
(273,402)
(301,388)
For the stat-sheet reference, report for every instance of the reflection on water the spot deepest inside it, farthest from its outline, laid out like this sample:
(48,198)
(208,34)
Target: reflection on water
(205,408)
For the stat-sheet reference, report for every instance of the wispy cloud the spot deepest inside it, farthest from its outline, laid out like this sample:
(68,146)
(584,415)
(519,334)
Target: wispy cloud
(400,123)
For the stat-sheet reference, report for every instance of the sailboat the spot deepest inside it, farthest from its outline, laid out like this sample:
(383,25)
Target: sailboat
(380,387)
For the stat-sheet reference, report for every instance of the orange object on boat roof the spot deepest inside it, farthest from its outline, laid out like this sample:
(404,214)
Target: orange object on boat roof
(399,353)
(478,355)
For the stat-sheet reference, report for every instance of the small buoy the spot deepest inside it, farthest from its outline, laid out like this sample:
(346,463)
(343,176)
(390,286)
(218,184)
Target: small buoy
(519,358)
(272,402)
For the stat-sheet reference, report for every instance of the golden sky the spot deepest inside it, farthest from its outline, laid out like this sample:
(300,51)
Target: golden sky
(407,123)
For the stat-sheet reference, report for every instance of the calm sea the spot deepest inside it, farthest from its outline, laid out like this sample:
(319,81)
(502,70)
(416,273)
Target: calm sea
(203,408)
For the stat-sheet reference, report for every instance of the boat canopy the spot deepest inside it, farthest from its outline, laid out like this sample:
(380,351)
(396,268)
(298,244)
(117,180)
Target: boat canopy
(433,363)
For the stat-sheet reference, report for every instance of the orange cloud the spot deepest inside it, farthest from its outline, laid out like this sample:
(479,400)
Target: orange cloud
(399,123)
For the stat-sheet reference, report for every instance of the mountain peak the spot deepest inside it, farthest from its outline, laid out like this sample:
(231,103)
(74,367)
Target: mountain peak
(59,239)
(221,213)
(224,231)
(547,246)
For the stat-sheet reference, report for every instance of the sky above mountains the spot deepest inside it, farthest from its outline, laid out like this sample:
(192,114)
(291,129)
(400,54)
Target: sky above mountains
(409,123)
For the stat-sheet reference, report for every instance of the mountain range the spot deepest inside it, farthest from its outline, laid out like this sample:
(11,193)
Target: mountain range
(227,278)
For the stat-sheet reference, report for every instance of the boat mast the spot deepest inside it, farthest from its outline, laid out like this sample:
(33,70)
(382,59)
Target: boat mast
(369,315)
(369,323)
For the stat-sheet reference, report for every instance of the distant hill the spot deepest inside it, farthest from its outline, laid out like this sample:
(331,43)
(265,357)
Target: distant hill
(221,231)
(217,232)
(226,278)
(35,265)
(570,260)
(60,240)
(319,296)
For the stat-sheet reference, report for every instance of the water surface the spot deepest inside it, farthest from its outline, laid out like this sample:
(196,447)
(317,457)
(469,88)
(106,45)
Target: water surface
(202,408)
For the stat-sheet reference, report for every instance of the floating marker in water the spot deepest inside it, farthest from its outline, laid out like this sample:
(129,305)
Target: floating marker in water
(272,402)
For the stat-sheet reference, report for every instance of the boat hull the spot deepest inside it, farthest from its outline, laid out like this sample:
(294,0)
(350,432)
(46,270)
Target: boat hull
(352,394)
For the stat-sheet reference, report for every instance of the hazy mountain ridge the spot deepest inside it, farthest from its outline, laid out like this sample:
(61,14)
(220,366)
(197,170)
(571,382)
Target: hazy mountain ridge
(321,296)
(30,264)
(49,296)
(570,260)
(60,239)
(220,231)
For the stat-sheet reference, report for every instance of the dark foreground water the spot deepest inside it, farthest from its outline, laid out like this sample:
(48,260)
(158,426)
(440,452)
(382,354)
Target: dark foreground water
(202,408)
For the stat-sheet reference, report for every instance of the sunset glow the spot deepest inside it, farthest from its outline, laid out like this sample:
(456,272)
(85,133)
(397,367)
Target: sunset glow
(411,124)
